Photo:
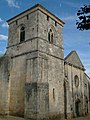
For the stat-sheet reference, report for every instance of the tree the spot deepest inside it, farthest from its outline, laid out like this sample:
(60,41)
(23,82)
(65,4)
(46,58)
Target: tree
(83,22)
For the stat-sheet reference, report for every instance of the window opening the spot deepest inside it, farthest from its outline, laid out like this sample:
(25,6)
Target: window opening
(55,23)
(22,34)
(50,36)
(76,79)
(53,93)
(27,17)
(16,22)
(47,18)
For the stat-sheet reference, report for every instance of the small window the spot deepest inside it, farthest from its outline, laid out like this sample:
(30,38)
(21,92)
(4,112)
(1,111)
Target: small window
(22,34)
(27,17)
(47,18)
(50,36)
(53,93)
(16,22)
(55,23)
(76,79)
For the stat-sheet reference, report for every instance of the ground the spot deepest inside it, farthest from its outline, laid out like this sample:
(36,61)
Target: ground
(18,118)
(11,118)
(82,118)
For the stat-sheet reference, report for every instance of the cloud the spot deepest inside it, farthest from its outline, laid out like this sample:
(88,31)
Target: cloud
(69,18)
(1,20)
(3,37)
(1,53)
(13,3)
(71,4)
(5,25)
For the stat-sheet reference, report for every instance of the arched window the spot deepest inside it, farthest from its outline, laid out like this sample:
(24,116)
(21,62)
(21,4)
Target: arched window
(22,34)
(76,79)
(50,36)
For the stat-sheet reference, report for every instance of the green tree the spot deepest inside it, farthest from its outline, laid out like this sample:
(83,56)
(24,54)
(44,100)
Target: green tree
(83,22)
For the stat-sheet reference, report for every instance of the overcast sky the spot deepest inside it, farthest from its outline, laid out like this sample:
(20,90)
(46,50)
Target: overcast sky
(65,10)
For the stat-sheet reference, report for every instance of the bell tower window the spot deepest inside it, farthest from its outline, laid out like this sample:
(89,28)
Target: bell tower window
(22,34)
(50,36)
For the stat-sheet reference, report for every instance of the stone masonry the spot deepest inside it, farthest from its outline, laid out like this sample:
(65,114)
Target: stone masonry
(35,79)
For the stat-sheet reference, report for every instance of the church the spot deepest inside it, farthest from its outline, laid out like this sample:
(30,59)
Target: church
(36,81)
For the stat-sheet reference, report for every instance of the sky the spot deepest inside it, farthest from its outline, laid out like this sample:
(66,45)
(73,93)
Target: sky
(66,10)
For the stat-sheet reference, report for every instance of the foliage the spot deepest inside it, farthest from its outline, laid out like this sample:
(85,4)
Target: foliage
(84,18)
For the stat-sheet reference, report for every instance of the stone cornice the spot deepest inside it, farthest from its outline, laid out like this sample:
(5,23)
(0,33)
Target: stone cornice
(74,65)
(33,9)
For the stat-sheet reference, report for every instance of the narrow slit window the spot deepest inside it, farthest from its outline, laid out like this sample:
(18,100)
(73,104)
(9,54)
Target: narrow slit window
(16,22)
(22,34)
(50,36)
(47,18)
(55,23)
(53,93)
(27,17)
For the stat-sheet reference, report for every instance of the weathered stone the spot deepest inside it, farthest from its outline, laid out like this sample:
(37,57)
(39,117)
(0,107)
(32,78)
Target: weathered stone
(77,92)
(35,80)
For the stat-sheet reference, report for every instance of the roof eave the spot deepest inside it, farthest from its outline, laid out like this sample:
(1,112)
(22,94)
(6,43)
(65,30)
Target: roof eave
(82,68)
(34,8)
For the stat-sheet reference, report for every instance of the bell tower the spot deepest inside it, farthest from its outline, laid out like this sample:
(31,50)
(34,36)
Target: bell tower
(37,64)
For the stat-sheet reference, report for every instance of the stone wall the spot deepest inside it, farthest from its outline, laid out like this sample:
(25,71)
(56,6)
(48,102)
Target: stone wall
(30,28)
(86,94)
(34,82)
(36,62)
(19,53)
(44,25)
(75,92)
(52,54)
(4,85)
(17,85)
(36,100)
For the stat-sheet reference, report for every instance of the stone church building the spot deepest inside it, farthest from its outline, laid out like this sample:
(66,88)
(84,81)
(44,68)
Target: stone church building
(36,81)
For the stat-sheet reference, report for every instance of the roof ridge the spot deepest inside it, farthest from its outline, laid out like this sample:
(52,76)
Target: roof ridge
(70,55)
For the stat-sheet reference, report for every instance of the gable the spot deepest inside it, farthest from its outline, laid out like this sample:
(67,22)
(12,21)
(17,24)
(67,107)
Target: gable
(73,59)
